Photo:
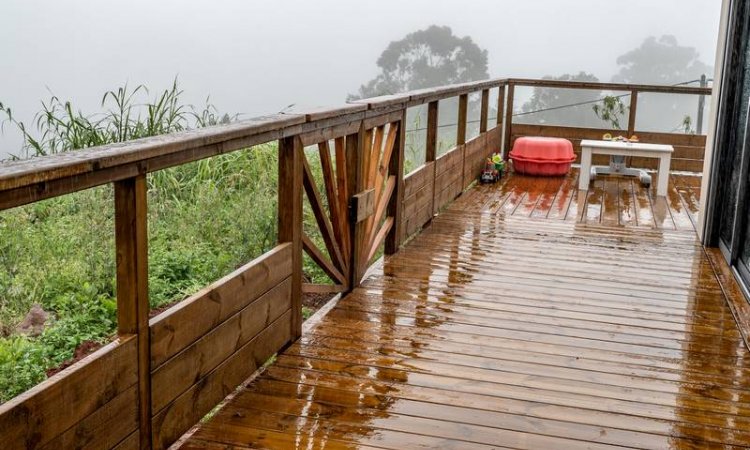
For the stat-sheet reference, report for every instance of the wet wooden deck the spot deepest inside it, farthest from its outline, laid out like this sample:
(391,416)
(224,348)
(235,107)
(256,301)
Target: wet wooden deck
(611,201)
(525,316)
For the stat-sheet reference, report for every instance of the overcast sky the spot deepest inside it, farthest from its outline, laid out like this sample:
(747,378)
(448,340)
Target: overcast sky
(255,57)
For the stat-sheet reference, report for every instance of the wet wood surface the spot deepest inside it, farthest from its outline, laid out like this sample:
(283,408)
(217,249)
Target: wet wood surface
(527,315)
(612,201)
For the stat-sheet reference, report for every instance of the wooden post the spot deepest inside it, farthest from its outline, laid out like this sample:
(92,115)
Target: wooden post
(356,152)
(485,111)
(499,121)
(395,205)
(463,103)
(701,107)
(431,146)
(131,242)
(290,218)
(633,109)
(508,120)
(432,132)
(500,107)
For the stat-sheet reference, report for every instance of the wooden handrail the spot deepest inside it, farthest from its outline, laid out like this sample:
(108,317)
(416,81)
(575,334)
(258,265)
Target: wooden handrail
(105,164)
(663,89)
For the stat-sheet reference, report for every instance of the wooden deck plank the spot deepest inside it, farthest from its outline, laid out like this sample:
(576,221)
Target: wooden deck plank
(637,391)
(528,409)
(610,203)
(680,215)
(566,193)
(557,197)
(473,314)
(660,373)
(666,318)
(665,361)
(627,215)
(592,209)
(503,326)
(688,188)
(455,414)
(514,368)
(546,197)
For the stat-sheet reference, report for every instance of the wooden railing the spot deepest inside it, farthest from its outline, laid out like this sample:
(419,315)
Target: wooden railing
(689,148)
(162,375)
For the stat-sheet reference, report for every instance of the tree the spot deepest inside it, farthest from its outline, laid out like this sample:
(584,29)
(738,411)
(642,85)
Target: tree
(663,61)
(426,58)
(568,107)
(660,61)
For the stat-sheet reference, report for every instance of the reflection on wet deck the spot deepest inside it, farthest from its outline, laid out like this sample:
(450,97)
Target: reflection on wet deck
(611,201)
(497,328)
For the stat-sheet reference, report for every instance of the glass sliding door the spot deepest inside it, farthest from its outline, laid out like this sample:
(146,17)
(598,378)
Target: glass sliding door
(733,154)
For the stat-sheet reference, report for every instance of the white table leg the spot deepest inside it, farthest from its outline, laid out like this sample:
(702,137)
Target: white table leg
(583,176)
(664,162)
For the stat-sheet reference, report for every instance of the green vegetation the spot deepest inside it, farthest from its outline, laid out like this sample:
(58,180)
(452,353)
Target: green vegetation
(610,111)
(307,312)
(205,219)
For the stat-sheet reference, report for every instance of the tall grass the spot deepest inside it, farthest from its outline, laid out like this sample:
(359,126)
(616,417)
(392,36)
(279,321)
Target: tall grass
(127,115)
(206,218)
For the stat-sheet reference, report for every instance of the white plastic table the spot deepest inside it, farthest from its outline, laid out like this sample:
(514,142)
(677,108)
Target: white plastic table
(662,152)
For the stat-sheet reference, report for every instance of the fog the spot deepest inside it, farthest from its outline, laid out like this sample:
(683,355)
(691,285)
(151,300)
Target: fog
(256,57)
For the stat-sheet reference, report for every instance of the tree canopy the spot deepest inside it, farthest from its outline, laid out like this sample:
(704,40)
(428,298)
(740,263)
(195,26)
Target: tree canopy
(664,61)
(660,61)
(426,58)
(553,106)
(656,61)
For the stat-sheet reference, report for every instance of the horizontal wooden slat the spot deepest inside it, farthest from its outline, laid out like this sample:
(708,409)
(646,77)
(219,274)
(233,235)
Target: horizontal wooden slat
(676,139)
(688,153)
(476,153)
(46,411)
(104,428)
(426,95)
(312,288)
(177,374)
(131,442)
(192,405)
(415,222)
(494,139)
(327,134)
(417,202)
(685,152)
(319,113)
(184,323)
(448,178)
(677,164)
(421,198)
(448,160)
(378,118)
(418,179)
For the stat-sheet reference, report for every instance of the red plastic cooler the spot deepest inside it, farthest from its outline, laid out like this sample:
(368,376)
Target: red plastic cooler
(542,156)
